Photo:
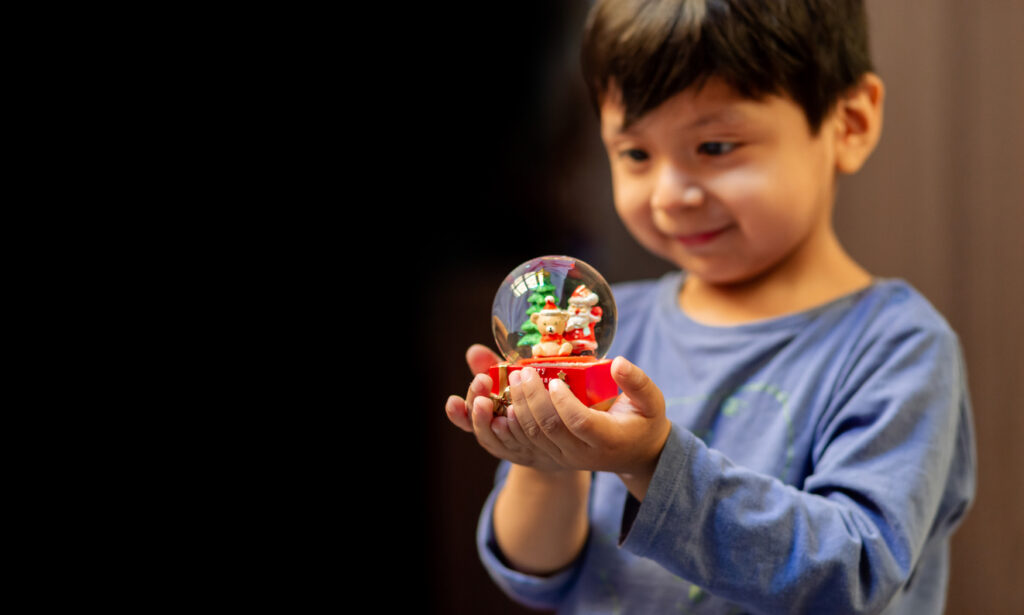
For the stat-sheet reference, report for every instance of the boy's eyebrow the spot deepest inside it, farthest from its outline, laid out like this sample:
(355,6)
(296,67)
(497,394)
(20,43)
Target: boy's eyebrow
(722,116)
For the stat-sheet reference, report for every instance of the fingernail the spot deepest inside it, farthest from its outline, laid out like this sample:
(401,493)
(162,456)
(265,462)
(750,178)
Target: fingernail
(513,378)
(527,374)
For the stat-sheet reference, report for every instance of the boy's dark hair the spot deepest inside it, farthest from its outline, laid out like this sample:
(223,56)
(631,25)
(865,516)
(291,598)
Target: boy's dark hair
(811,50)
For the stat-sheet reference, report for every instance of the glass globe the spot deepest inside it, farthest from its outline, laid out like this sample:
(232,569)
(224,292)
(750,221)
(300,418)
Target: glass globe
(554,306)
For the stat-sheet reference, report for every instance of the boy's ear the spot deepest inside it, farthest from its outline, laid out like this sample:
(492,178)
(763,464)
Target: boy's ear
(858,123)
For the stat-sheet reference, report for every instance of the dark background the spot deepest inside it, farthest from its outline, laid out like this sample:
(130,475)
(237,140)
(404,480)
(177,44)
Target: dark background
(501,162)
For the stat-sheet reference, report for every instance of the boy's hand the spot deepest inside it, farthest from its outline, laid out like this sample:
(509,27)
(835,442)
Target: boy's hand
(479,358)
(626,439)
(496,435)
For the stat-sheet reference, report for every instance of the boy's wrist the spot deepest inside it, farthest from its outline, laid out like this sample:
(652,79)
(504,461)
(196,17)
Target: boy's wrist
(639,479)
(637,483)
(545,476)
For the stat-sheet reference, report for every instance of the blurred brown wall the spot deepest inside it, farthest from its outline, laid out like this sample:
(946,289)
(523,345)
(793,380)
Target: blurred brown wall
(941,204)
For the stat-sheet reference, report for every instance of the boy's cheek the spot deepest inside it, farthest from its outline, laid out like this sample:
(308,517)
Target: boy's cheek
(631,203)
(640,224)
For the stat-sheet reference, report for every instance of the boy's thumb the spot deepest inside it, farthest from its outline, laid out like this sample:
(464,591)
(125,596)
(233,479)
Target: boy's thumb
(480,357)
(642,391)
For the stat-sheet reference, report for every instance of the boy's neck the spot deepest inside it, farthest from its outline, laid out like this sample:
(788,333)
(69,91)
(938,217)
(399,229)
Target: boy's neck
(813,276)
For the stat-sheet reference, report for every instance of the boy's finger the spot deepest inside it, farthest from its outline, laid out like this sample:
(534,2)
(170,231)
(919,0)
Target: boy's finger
(456,408)
(641,390)
(500,428)
(548,417)
(515,428)
(580,420)
(482,413)
(525,413)
(480,357)
(479,387)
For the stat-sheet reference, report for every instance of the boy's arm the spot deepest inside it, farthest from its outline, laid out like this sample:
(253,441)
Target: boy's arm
(540,519)
(541,591)
(535,523)
(540,513)
(850,536)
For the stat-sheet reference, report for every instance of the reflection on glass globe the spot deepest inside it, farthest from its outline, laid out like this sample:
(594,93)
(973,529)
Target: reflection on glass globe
(554,306)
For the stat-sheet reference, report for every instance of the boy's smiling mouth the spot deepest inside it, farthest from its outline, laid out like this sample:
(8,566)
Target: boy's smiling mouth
(699,239)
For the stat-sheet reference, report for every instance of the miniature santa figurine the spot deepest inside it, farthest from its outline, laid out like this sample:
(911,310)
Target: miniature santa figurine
(583,313)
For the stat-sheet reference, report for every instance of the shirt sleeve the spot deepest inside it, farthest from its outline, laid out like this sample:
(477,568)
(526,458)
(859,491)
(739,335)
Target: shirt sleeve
(892,466)
(537,592)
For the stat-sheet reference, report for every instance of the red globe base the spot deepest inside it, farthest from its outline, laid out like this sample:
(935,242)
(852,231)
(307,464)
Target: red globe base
(588,378)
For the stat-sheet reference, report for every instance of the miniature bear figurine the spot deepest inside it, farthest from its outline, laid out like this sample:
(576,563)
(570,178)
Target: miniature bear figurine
(551,323)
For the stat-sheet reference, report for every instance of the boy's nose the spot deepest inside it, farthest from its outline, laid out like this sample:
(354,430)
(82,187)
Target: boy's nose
(674,189)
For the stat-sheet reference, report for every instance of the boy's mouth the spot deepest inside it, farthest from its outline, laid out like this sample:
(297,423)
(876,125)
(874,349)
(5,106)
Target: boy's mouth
(699,239)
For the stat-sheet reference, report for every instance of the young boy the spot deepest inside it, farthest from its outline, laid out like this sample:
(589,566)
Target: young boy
(793,434)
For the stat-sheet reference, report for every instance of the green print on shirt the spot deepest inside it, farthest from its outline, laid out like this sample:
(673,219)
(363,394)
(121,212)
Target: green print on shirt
(734,404)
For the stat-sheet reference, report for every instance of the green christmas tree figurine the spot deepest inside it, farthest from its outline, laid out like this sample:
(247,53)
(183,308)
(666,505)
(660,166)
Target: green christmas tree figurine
(531,335)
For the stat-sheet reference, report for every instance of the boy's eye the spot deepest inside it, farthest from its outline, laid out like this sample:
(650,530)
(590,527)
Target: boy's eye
(637,155)
(715,148)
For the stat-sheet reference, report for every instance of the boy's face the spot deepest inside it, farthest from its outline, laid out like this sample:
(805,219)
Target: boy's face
(724,187)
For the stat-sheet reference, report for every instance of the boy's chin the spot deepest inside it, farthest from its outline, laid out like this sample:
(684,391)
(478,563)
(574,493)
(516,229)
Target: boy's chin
(723,276)
(711,271)
(719,280)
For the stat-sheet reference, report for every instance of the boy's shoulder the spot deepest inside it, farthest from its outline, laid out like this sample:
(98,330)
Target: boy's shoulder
(897,307)
(895,324)
(888,307)
(633,294)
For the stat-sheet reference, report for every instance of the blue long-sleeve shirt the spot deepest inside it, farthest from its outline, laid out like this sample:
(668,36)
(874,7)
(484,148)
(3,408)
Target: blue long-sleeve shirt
(817,463)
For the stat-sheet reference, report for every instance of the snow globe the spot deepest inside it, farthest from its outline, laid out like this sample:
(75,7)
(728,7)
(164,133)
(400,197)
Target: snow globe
(557,315)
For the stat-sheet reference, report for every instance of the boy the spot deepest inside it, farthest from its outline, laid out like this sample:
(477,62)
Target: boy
(793,435)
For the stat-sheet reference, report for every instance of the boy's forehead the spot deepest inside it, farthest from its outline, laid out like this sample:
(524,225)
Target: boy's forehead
(714,103)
